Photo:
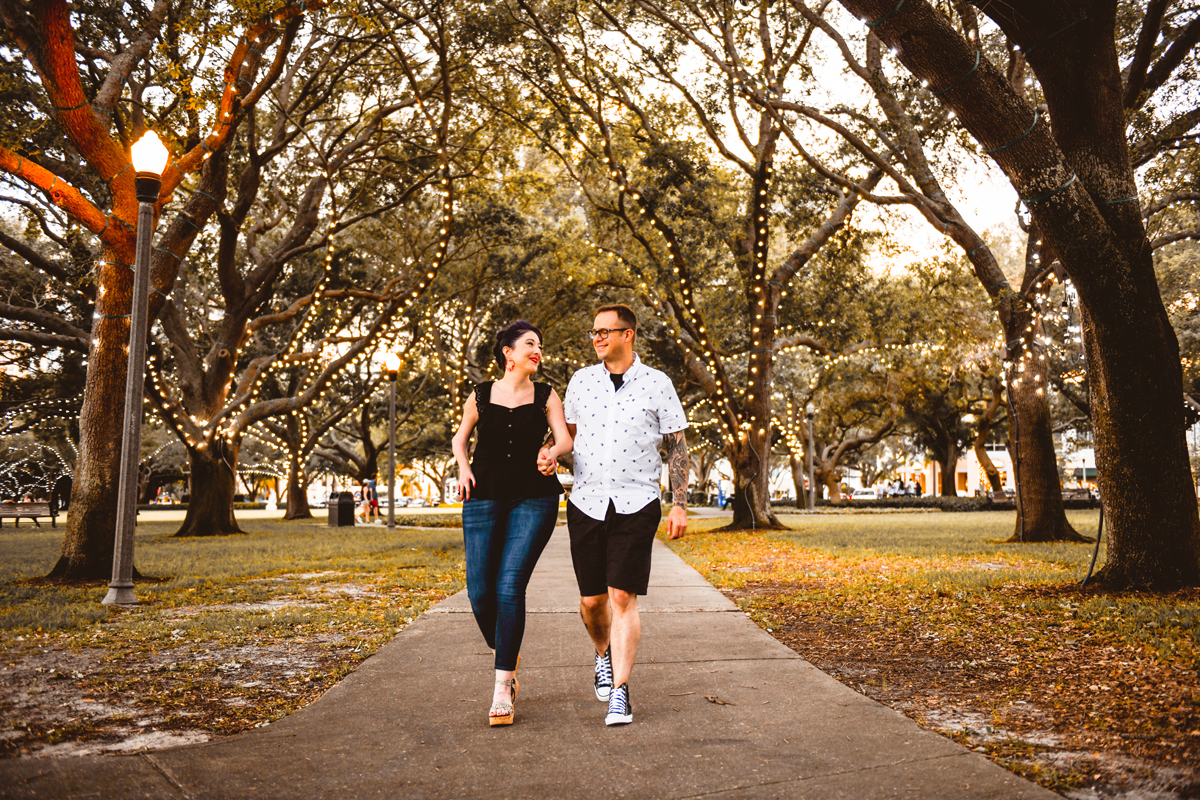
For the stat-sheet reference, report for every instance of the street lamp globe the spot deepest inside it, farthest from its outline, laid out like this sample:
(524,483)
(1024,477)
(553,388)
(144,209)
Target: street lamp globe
(149,154)
(810,410)
(391,363)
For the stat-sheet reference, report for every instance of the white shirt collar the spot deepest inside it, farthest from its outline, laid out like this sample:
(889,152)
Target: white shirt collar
(629,374)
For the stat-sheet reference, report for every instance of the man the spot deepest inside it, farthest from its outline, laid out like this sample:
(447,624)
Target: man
(619,412)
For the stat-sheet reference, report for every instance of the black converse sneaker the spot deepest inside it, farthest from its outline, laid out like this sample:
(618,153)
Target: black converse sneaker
(604,675)
(620,710)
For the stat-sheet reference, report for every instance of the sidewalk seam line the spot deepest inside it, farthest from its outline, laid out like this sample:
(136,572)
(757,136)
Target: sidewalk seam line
(166,774)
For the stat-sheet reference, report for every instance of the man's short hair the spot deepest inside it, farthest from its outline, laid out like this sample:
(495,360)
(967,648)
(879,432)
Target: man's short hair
(624,313)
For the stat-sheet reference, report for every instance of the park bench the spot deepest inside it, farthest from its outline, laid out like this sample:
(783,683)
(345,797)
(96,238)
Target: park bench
(31,510)
(1077,494)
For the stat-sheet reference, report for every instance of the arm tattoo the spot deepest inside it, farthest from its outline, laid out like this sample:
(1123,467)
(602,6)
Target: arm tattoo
(677,466)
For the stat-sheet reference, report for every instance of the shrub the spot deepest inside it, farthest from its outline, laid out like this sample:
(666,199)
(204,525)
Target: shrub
(240,506)
(933,501)
(924,501)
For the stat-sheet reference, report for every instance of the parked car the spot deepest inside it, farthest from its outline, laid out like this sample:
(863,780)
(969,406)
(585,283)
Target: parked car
(320,499)
(419,502)
(864,494)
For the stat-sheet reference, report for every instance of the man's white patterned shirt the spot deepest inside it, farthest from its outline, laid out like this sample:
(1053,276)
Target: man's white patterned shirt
(617,436)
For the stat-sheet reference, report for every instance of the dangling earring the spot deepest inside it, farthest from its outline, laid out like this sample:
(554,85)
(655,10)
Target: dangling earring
(511,366)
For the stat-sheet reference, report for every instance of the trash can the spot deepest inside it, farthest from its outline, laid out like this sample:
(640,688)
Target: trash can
(341,510)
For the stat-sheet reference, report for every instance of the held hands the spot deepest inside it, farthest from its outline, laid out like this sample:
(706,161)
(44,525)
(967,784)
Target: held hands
(676,522)
(547,464)
(466,481)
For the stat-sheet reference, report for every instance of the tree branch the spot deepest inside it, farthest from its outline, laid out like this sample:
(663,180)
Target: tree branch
(1162,69)
(35,258)
(1178,236)
(67,197)
(1147,37)
(42,339)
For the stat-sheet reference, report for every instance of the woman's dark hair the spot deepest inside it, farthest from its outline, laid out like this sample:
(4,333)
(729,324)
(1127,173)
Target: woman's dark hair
(508,338)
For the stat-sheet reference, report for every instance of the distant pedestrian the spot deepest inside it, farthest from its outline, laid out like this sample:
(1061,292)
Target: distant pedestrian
(622,411)
(510,506)
(364,502)
(374,498)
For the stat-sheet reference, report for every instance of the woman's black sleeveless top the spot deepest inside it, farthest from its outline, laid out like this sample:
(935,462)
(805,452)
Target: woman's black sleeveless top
(506,448)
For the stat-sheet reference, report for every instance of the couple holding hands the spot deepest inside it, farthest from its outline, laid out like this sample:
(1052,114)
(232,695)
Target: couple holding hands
(615,416)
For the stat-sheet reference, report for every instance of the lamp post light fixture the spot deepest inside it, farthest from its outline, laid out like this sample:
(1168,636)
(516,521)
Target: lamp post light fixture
(392,363)
(809,411)
(149,160)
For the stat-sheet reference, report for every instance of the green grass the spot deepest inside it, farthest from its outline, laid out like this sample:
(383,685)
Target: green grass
(315,600)
(226,569)
(979,537)
(884,560)
(972,533)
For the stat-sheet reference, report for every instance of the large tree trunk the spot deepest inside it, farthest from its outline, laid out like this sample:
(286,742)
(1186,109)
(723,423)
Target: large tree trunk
(87,550)
(985,429)
(210,509)
(1040,513)
(800,478)
(751,502)
(988,467)
(750,452)
(949,469)
(833,483)
(297,490)
(945,454)
(297,481)
(1141,454)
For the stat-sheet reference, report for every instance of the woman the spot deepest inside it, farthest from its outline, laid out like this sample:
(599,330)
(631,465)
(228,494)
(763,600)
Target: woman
(364,503)
(509,507)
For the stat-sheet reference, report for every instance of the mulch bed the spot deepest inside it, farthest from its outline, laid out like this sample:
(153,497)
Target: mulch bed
(1080,712)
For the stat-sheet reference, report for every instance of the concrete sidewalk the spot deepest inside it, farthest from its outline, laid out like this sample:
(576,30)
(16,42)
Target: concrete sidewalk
(411,721)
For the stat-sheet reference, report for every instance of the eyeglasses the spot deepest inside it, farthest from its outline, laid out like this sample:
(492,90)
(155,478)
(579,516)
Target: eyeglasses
(602,333)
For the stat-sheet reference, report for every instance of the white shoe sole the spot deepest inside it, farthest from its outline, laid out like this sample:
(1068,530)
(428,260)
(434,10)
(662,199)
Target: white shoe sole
(618,719)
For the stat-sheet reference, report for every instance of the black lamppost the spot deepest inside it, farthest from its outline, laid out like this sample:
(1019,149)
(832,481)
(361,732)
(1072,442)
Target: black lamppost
(809,411)
(149,159)
(392,363)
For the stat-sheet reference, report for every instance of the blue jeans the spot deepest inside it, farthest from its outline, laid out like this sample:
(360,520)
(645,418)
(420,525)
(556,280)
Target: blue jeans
(504,539)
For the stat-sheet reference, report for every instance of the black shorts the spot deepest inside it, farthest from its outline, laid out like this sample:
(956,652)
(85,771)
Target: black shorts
(613,552)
